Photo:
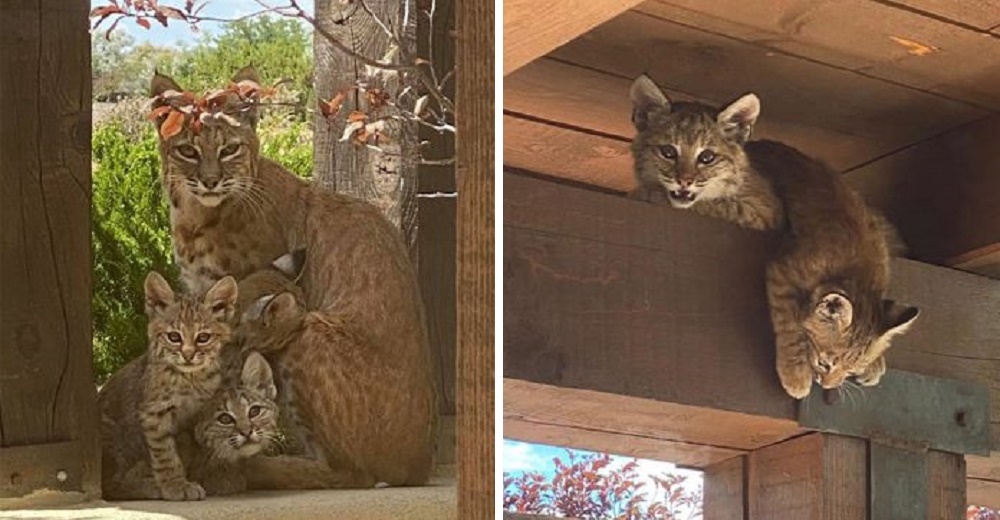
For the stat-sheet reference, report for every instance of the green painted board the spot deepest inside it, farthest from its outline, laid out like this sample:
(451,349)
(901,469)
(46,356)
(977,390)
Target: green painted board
(907,408)
(898,480)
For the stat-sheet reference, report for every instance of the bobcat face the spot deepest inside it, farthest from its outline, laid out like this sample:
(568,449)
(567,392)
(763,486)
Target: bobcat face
(214,164)
(220,160)
(692,151)
(243,421)
(186,332)
(845,339)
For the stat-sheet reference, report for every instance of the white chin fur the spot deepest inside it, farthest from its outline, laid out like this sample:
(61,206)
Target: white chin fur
(681,204)
(209,201)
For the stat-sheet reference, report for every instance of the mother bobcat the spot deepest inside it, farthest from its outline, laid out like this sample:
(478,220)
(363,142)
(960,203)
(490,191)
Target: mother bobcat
(232,212)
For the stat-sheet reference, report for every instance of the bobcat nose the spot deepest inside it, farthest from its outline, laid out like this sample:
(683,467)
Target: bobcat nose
(210,183)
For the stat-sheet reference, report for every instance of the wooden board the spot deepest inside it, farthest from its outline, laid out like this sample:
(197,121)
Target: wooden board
(983,14)
(985,493)
(792,89)
(946,481)
(592,100)
(601,421)
(725,490)
(47,393)
(875,39)
(531,29)
(436,273)
(813,477)
(475,256)
(898,482)
(941,193)
(612,295)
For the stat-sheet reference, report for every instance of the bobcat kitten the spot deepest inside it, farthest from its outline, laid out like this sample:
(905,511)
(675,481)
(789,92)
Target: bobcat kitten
(827,286)
(159,394)
(693,155)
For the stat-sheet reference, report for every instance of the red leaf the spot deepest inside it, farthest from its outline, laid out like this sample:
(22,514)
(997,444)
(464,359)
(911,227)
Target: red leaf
(160,17)
(143,22)
(106,10)
(158,112)
(356,116)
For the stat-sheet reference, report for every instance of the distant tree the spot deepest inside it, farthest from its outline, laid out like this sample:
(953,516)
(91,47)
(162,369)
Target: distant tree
(121,68)
(590,488)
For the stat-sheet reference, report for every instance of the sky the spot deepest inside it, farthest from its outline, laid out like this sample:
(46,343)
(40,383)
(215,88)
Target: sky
(177,34)
(519,457)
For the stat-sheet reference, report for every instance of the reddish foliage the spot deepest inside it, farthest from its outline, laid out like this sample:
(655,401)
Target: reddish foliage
(172,109)
(981,513)
(589,487)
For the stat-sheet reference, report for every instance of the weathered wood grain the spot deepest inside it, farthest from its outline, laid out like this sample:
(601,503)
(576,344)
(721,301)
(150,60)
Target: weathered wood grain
(873,39)
(436,272)
(475,256)
(985,493)
(725,490)
(946,485)
(531,29)
(46,389)
(984,14)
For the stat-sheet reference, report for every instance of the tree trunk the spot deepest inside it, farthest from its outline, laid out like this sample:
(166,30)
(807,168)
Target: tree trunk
(385,176)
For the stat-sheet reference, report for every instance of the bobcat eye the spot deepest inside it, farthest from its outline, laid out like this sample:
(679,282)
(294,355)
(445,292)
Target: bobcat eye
(174,337)
(187,151)
(254,411)
(229,150)
(226,419)
(668,152)
(202,338)
(706,157)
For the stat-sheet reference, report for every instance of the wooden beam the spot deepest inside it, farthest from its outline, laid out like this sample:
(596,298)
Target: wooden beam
(984,493)
(611,295)
(47,393)
(474,277)
(725,490)
(941,193)
(605,422)
(531,29)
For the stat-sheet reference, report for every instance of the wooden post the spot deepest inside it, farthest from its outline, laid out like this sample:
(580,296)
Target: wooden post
(48,423)
(475,66)
(386,178)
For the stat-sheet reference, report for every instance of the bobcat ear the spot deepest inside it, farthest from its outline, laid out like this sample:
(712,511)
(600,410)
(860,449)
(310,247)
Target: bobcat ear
(221,298)
(281,307)
(162,83)
(646,97)
(246,73)
(258,376)
(836,309)
(738,118)
(291,264)
(158,294)
(897,318)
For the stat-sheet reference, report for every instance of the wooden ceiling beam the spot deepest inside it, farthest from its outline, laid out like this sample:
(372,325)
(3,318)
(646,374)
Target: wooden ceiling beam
(532,29)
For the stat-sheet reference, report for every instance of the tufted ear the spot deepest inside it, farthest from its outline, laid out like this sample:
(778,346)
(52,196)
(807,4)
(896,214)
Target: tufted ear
(246,73)
(836,309)
(257,375)
(221,298)
(646,97)
(291,264)
(738,118)
(896,318)
(249,114)
(162,83)
(159,295)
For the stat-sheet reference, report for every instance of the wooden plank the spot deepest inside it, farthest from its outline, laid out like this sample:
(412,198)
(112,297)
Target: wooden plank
(898,480)
(813,477)
(531,29)
(984,493)
(791,89)
(686,435)
(436,273)
(589,159)
(984,261)
(725,490)
(946,494)
(984,14)
(593,100)
(943,414)
(55,466)
(941,193)
(474,274)
(876,39)
(46,386)
(612,295)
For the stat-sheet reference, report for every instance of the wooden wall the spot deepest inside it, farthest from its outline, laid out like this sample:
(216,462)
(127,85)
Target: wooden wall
(48,435)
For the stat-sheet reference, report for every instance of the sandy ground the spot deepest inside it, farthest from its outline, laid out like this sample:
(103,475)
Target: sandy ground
(434,502)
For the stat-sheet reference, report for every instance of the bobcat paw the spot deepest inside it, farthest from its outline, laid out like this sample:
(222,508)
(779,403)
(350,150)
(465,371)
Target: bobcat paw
(872,374)
(797,381)
(182,490)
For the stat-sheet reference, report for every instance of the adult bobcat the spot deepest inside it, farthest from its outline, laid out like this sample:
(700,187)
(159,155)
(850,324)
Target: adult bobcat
(233,212)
